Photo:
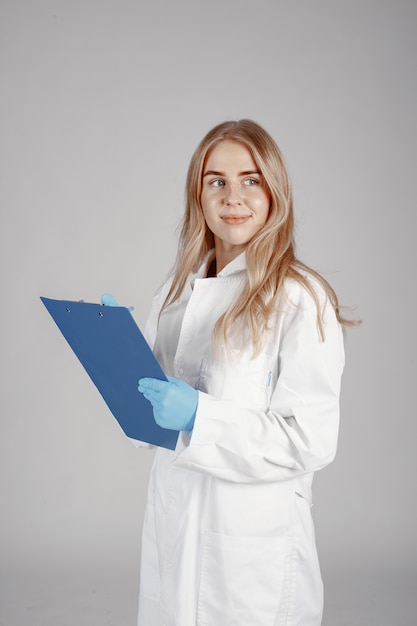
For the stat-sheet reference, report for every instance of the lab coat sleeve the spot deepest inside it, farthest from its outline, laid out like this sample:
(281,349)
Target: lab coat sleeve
(151,326)
(298,433)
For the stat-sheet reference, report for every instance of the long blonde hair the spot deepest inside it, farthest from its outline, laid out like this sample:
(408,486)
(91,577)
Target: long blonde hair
(270,255)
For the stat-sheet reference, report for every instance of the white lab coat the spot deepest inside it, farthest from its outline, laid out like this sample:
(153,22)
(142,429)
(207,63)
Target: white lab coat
(228,538)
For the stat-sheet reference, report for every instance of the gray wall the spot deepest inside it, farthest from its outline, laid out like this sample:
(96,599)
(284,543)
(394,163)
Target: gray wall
(101,105)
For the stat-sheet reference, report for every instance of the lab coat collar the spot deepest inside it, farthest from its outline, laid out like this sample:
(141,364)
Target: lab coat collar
(237,265)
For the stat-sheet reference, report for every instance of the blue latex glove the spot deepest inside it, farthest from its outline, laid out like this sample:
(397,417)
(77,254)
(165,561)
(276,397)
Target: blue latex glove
(174,402)
(108,300)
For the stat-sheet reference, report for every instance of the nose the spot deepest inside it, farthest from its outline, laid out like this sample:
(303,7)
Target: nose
(232,196)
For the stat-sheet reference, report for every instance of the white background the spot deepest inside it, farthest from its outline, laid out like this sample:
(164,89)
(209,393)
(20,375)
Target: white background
(102,103)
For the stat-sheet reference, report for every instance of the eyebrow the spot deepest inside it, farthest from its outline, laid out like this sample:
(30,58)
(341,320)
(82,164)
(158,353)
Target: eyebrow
(215,173)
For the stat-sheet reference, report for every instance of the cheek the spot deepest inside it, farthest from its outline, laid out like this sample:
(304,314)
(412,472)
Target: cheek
(207,207)
(207,215)
(263,209)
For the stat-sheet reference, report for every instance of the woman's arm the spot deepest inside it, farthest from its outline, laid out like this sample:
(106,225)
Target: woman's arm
(298,433)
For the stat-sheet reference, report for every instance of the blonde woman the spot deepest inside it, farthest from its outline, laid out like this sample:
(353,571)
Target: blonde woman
(252,342)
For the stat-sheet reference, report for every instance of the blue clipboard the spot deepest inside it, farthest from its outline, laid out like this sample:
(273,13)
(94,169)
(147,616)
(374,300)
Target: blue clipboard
(115,355)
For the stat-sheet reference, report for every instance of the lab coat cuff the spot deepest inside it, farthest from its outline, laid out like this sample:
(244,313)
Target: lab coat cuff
(209,425)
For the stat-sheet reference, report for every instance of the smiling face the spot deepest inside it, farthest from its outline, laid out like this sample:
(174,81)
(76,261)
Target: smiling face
(234,198)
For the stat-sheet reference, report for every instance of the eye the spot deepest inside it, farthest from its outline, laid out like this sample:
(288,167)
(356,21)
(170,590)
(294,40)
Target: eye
(217,183)
(250,182)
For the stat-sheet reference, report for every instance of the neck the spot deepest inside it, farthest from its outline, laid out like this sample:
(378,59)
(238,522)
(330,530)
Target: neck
(226,254)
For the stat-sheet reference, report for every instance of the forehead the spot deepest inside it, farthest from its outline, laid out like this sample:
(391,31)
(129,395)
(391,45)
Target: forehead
(229,155)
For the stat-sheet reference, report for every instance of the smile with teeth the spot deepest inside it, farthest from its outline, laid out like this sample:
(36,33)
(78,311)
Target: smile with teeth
(235,219)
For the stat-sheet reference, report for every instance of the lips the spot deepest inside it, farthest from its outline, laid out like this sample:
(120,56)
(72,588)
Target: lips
(235,220)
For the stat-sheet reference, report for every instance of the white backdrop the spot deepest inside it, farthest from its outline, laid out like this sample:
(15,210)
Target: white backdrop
(102,103)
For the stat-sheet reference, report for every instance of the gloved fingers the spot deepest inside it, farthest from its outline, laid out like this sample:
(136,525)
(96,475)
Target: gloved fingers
(108,300)
(153,383)
(152,388)
(153,396)
(174,402)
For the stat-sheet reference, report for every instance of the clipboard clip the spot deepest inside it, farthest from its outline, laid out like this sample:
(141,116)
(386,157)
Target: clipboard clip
(100,313)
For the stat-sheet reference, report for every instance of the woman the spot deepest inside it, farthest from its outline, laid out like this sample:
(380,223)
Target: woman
(251,340)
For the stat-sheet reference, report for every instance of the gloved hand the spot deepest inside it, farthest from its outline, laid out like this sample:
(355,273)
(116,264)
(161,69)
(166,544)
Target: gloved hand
(174,402)
(108,300)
